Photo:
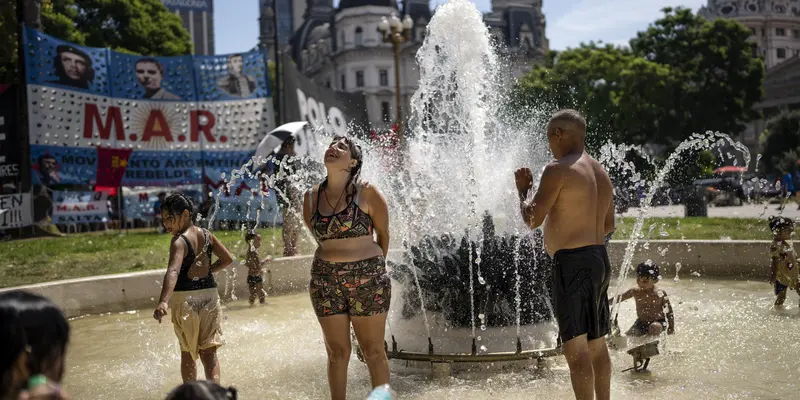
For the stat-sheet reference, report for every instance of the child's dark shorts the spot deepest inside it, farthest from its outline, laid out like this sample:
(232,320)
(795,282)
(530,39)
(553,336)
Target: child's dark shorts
(357,288)
(779,287)
(641,328)
(253,280)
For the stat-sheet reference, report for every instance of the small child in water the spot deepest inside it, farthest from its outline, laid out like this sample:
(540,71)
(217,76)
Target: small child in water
(650,303)
(784,263)
(255,270)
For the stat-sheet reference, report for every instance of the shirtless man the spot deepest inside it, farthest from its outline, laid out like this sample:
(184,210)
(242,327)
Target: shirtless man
(575,195)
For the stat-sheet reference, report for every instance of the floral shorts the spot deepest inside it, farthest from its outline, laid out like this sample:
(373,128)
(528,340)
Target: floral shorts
(358,288)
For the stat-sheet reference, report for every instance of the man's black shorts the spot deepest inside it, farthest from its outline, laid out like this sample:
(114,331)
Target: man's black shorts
(580,292)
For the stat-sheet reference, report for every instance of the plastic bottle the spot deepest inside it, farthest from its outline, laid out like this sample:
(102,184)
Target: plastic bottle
(383,392)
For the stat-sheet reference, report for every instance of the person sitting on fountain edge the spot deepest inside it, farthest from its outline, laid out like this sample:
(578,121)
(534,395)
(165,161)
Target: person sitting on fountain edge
(575,195)
(784,262)
(255,268)
(650,303)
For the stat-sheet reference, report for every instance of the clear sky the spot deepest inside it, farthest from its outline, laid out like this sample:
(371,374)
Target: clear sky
(569,22)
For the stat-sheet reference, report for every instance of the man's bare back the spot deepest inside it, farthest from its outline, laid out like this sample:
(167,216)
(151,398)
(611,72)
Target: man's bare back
(575,195)
(579,216)
(575,198)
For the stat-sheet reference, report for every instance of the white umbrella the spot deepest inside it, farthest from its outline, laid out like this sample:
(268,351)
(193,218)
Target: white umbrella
(272,142)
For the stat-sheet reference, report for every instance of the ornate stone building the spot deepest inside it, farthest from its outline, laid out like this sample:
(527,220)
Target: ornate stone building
(341,48)
(775,25)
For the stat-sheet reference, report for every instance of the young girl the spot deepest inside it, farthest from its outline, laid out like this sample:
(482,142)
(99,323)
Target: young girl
(190,290)
(784,263)
(255,270)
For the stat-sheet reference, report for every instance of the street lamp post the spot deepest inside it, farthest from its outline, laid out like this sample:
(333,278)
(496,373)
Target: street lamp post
(396,32)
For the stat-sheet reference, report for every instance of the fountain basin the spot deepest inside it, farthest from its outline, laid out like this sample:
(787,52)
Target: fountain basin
(737,259)
(728,344)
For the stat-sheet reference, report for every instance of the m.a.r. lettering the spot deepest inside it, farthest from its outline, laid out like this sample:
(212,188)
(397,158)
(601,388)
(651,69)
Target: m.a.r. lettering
(108,125)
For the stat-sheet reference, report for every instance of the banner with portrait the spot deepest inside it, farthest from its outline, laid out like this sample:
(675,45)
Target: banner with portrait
(335,113)
(98,117)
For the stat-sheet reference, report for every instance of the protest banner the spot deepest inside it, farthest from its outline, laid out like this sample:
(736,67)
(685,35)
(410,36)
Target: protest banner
(99,117)
(15,210)
(80,207)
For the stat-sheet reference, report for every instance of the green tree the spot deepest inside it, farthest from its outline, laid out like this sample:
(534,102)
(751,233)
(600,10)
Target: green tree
(781,142)
(130,26)
(684,74)
(719,74)
(618,92)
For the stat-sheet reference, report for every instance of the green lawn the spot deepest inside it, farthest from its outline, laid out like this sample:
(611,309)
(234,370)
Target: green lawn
(89,254)
(100,253)
(696,228)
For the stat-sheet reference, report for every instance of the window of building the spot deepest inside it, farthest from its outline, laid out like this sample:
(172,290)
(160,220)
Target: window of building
(359,36)
(343,82)
(341,41)
(780,32)
(328,84)
(384,77)
(762,32)
(781,53)
(796,33)
(359,78)
(385,111)
(753,31)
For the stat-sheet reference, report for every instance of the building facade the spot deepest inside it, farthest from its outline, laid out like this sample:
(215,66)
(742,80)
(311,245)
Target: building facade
(198,19)
(291,15)
(341,48)
(775,28)
(775,24)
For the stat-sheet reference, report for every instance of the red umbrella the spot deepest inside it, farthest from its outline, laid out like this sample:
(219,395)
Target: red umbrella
(729,168)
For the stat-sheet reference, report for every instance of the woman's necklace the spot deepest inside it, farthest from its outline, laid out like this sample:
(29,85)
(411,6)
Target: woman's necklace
(337,201)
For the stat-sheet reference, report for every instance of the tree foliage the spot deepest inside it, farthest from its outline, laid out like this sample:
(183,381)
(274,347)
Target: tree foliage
(130,26)
(684,74)
(781,142)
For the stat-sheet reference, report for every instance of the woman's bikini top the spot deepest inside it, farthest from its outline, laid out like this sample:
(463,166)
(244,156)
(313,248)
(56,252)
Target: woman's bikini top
(349,223)
(184,283)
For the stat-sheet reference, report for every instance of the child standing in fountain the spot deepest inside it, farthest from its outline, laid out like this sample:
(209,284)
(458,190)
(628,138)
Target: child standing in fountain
(650,303)
(190,290)
(784,274)
(255,270)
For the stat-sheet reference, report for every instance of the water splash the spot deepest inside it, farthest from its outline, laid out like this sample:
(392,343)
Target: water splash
(695,142)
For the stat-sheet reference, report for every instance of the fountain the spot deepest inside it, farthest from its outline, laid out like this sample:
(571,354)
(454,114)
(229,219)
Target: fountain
(471,274)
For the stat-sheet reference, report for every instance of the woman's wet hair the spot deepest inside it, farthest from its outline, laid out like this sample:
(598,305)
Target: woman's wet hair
(202,390)
(355,172)
(176,203)
(35,324)
(777,223)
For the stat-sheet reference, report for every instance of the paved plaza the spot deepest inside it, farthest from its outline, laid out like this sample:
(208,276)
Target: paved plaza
(745,211)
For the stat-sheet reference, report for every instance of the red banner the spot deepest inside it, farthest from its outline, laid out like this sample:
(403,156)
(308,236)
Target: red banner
(111,164)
